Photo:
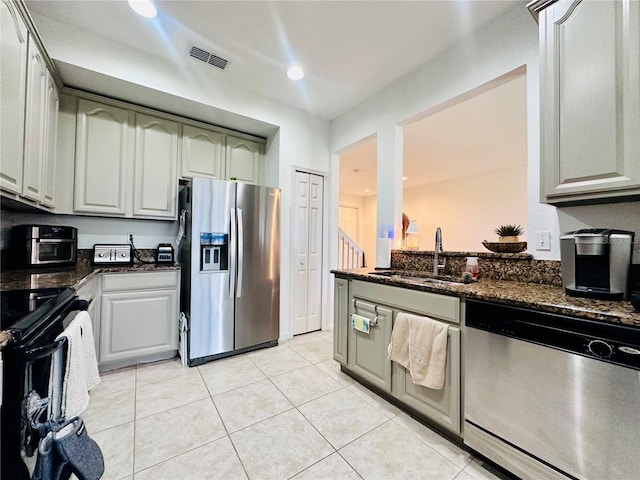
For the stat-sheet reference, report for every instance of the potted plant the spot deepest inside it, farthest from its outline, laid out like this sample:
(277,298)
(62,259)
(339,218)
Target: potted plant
(508,233)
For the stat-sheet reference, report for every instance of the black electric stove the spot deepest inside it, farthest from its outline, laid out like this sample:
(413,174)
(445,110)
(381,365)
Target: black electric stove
(17,304)
(34,319)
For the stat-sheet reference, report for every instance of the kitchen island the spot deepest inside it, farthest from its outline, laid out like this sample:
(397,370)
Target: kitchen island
(480,364)
(547,298)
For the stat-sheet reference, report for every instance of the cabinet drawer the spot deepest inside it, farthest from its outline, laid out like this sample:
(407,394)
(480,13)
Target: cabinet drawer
(432,305)
(140,280)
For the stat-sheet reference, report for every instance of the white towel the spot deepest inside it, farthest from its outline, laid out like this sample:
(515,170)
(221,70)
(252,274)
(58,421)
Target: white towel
(81,369)
(419,344)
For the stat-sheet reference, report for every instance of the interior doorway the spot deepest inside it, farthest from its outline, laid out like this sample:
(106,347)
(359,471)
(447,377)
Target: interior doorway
(308,205)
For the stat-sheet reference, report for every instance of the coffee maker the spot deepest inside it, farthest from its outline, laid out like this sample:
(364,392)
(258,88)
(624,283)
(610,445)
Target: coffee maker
(596,263)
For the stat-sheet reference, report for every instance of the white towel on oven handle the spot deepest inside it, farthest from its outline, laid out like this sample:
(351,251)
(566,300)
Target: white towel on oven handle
(81,368)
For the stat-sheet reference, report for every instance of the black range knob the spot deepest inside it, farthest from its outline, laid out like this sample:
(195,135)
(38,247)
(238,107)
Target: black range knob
(600,348)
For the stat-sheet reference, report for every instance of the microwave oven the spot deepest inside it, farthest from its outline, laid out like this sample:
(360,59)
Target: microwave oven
(43,246)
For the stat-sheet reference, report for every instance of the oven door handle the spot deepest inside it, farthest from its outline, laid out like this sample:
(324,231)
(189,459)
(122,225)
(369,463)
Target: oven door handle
(45,351)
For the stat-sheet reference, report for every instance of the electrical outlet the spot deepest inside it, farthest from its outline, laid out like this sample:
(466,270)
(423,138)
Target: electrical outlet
(543,240)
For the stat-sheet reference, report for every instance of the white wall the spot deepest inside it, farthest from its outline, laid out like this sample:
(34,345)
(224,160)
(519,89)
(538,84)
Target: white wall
(505,45)
(468,209)
(90,62)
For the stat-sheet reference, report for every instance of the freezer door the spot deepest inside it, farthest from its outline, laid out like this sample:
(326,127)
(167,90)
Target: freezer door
(258,279)
(212,293)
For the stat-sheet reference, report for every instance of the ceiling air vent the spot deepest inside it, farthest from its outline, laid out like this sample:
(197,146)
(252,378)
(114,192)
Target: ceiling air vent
(207,57)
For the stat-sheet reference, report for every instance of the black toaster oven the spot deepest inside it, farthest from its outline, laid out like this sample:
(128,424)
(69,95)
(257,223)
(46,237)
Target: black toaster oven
(43,246)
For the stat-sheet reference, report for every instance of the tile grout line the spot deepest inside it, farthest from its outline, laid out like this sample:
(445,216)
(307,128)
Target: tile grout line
(135,422)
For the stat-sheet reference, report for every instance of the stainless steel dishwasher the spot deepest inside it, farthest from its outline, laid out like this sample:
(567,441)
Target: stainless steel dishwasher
(552,396)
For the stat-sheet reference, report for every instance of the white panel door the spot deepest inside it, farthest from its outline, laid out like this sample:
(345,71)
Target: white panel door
(307,253)
(13,65)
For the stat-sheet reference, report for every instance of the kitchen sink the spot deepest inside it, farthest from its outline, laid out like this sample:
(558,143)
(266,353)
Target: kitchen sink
(439,280)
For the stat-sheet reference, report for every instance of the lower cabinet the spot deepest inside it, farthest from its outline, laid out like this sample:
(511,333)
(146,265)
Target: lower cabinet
(367,353)
(441,406)
(90,292)
(139,318)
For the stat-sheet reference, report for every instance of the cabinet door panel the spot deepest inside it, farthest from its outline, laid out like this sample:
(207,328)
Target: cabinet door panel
(590,52)
(202,153)
(340,320)
(137,324)
(243,159)
(368,352)
(441,406)
(13,65)
(103,147)
(156,163)
(34,125)
(51,145)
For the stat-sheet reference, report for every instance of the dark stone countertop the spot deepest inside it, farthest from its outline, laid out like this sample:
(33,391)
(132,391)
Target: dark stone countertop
(74,276)
(547,298)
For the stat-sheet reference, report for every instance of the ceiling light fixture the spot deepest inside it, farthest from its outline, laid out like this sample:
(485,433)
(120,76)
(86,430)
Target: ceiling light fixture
(294,72)
(144,8)
(366,190)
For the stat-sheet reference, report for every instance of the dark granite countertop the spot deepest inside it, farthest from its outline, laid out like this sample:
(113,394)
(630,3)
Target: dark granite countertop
(547,298)
(74,277)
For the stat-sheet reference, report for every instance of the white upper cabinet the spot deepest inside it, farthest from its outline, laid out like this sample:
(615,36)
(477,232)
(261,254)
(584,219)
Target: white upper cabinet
(13,65)
(104,145)
(126,163)
(590,100)
(202,153)
(35,124)
(244,160)
(156,163)
(51,143)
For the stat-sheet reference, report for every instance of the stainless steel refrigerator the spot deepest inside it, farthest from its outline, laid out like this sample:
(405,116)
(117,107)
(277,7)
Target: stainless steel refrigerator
(230,259)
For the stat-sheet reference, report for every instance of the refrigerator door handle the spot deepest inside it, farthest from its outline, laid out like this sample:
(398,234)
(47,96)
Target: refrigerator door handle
(233,256)
(240,252)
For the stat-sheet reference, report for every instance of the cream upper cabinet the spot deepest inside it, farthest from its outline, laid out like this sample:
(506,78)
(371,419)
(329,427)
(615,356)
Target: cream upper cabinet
(244,160)
(104,146)
(590,100)
(51,130)
(202,153)
(156,162)
(13,64)
(35,124)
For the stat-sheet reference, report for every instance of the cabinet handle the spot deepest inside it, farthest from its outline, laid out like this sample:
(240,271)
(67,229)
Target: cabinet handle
(374,321)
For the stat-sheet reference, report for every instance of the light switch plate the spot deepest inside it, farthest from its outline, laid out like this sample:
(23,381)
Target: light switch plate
(543,240)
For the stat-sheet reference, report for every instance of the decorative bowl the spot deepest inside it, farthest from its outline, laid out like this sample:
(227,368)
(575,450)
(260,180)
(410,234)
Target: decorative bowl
(505,247)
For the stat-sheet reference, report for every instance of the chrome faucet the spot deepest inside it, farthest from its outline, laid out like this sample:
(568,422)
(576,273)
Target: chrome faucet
(437,266)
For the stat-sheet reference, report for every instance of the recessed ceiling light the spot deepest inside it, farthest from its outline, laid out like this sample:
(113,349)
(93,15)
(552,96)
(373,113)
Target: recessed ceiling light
(366,190)
(404,179)
(294,72)
(144,8)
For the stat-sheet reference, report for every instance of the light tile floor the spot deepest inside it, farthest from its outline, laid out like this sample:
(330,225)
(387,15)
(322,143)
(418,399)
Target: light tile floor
(279,413)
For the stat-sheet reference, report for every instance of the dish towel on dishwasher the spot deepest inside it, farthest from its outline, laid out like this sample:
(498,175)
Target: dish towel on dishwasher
(81,368)
(419,344)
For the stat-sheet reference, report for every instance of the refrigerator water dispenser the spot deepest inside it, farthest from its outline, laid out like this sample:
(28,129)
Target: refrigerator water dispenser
(214,252)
